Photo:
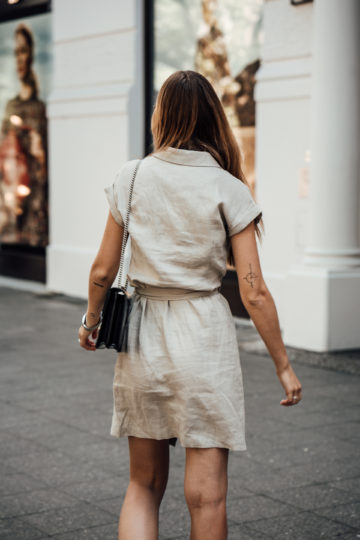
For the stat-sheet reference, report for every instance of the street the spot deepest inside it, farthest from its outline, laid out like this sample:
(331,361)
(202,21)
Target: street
(64,476)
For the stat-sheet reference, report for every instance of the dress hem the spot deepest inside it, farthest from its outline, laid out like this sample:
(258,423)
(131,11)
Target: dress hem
(235,448)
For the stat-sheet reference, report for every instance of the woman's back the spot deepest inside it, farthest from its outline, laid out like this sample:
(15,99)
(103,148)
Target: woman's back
(184,208)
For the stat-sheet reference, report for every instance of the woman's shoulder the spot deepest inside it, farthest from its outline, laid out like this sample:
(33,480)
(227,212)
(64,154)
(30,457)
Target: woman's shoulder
(229,184)
(125,171)
(127,166)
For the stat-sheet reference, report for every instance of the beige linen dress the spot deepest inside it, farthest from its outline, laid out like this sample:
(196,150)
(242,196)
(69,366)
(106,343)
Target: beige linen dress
(181,378)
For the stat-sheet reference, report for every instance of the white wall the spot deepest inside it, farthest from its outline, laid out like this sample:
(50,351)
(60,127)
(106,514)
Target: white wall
(307,99)
(283,93)
(95,116)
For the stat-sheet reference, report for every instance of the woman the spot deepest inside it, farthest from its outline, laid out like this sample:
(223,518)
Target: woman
(191,212)
(23,154)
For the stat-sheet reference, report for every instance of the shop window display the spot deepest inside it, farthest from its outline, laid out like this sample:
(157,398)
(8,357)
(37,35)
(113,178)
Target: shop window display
(25,60)
(221,39)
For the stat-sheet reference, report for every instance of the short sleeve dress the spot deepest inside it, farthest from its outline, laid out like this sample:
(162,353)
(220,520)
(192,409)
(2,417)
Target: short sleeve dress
(181,377)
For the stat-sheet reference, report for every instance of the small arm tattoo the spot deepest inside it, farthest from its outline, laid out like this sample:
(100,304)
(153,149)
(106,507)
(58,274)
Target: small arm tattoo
(98,284)
(250,277)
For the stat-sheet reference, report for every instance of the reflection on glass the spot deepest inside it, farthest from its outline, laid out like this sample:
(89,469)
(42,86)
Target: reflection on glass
(221,39)
(23,154)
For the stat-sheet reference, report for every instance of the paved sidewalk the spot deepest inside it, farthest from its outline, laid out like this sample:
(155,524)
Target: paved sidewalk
(63,476)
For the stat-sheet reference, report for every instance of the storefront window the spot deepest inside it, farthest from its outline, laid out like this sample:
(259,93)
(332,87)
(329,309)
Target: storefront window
(220,39)
(25,67)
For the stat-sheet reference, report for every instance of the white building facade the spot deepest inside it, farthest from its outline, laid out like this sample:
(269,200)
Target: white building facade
(95,115)
(307,141)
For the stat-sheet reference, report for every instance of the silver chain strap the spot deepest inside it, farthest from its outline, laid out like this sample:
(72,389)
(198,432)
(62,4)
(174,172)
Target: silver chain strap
(126,225)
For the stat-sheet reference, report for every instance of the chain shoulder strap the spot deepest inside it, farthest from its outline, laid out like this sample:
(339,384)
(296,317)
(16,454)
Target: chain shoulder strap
(126,225)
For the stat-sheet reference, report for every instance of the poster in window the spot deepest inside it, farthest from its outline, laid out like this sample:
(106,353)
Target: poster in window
(220,39)
(25,76)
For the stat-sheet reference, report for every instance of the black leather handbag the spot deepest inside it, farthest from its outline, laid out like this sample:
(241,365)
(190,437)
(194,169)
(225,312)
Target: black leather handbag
(114,328)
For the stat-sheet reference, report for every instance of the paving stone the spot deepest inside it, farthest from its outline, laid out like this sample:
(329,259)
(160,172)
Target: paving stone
(323,418)
(322,435)
(19,529)
(344,513)
(265,425)
(70,518)
(256,507)
(34,501)
(301,526)
(181,537)
(19,483)
(104,532)
(236,489)
(112,505)
(267,452)
(50,432)
(95,491)
(10,416)
(349,484)
(241,532)
(97,424)
(315,496)
(348,431)
(57,435)
(346,392)
(56,468)
(174,518)
(299,475)
(14,445)
(350,536)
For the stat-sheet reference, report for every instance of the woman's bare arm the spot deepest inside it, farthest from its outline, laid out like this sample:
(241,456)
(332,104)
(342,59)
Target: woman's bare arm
(260,305)
(102,274)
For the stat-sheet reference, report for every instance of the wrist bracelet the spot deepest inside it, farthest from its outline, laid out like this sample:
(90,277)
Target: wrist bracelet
(90,328)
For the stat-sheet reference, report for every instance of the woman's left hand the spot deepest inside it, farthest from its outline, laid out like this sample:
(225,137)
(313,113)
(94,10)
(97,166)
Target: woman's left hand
(84,340)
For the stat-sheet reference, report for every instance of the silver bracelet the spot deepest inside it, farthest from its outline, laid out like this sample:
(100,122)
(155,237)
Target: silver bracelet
(90,328)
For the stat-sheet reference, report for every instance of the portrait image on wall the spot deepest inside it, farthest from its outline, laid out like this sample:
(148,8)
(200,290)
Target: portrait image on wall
(25,68)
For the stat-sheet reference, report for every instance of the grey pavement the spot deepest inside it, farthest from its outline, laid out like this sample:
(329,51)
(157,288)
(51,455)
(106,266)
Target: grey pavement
(64,476)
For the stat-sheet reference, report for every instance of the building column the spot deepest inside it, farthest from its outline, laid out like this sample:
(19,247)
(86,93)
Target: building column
(334,185)
(323,292)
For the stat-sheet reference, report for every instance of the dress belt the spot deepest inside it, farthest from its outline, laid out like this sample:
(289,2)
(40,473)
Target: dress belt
(172,293)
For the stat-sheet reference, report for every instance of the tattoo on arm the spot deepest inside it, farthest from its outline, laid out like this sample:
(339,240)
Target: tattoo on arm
(98,284)
(250,277)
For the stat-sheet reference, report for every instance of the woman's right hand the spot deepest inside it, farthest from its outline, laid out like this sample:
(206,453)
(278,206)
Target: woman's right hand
(291,385)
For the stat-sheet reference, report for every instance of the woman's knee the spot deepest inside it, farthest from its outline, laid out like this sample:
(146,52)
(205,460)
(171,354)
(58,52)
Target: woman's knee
(151,479)
(149,465)
(204,496)
(206,481)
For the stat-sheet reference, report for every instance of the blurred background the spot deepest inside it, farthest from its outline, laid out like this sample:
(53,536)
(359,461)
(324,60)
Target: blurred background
(77,88)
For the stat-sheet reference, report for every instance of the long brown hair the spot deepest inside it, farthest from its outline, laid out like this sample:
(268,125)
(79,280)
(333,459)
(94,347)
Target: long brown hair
(188,114)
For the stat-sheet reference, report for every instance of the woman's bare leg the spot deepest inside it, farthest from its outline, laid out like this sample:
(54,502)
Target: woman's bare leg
(205,489)
(149,470)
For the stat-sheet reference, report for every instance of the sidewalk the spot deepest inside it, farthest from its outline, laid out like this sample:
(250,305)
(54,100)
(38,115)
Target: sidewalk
(63,476)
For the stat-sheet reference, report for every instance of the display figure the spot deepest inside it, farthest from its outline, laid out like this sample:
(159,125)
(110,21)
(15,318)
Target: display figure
(23,155)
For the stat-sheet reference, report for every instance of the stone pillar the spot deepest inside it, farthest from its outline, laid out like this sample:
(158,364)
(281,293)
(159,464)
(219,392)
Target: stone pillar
(334,186)
(323,291)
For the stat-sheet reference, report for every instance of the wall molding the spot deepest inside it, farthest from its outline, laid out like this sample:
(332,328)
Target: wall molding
(88,100)
(284,79)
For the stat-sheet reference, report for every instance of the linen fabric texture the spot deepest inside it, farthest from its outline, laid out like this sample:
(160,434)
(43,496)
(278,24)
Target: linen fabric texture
(181,377)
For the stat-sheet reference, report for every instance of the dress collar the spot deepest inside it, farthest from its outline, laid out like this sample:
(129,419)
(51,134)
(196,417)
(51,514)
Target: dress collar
(192,158)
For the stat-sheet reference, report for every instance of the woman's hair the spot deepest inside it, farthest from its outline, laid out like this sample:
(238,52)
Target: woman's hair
(188,114)
(25,31)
